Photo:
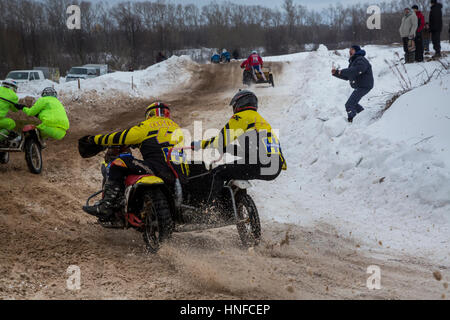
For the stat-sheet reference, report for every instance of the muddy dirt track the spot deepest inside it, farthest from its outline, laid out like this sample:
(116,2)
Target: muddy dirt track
(43,229)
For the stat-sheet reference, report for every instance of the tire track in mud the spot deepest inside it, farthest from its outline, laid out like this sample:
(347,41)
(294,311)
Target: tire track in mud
(43,229)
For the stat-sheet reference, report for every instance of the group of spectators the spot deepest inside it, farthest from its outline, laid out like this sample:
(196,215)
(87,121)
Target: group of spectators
(416,32)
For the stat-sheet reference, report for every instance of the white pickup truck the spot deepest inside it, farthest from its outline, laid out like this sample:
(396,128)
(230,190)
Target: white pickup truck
(87,71)
(25,76)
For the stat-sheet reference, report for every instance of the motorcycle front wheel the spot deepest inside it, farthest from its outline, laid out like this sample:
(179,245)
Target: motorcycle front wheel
(158,223)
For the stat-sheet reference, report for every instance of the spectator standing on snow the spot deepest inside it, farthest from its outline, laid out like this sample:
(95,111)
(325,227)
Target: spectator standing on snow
(407,31)
(360,75)
(418,40)
(426,38)
(436,27)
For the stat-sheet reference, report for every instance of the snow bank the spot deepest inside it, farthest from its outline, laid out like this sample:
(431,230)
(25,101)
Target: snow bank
(34,88)
(155,80)
(377,179)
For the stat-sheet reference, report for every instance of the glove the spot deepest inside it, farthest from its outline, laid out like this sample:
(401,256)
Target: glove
(90,139)
(196,145)
(87,140)
(87,147)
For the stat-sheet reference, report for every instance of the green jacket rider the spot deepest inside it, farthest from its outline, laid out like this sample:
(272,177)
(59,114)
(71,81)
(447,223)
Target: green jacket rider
(8,101)
(52,114)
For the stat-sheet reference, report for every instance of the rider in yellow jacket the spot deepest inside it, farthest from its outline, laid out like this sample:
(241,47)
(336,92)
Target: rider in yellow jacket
(154,137)
(258,152)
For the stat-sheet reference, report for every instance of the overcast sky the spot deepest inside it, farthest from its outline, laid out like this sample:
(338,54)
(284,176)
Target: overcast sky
(312,4)
(275,3)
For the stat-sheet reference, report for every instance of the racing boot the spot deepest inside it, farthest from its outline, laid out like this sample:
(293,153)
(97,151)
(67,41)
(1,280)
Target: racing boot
(111,202)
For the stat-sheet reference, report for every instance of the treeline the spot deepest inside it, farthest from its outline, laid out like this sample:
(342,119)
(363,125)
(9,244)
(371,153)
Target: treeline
(130,34)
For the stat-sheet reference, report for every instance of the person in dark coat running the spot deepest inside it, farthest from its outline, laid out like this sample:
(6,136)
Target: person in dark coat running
(360,75)
(436,27)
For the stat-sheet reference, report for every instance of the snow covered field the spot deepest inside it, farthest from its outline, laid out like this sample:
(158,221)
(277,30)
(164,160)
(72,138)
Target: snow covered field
(382,181)
(385,182)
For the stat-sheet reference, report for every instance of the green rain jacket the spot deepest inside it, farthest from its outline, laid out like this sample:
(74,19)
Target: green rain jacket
(50,111)
(9,95)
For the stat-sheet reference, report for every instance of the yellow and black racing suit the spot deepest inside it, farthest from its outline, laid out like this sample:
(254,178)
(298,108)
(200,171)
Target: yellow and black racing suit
(154,138)
(258,149)
(258,152)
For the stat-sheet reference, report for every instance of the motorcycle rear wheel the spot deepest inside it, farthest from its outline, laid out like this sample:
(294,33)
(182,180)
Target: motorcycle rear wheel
(158,223)
(33,156)
(249,225)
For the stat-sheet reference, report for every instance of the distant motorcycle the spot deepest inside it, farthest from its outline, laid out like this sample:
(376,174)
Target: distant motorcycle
(156,210)
(30,143)
(248,78)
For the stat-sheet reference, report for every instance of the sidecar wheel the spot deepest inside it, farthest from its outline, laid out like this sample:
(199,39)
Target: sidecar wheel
(249,225)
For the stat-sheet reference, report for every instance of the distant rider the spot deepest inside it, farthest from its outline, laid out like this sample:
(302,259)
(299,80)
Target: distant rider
(215,58)
(154,136)
(259,149)
(225,56)
(52,114)
(256,63)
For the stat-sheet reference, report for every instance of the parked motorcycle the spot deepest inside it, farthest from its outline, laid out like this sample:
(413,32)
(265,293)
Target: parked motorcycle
(29,142)
(156,209)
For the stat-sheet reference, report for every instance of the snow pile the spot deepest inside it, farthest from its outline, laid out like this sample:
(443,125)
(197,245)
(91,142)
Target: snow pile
(383,181)
(34,88)
(156,79)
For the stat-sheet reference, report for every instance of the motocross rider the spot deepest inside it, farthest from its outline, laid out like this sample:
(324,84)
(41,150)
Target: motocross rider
(215,58)
(52,114)
(154,136)
(8,102)
(259,148)
(256,63)
(225,56)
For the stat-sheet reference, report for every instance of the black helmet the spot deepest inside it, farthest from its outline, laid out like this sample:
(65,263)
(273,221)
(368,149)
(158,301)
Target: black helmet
(49,92)
(244,100)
